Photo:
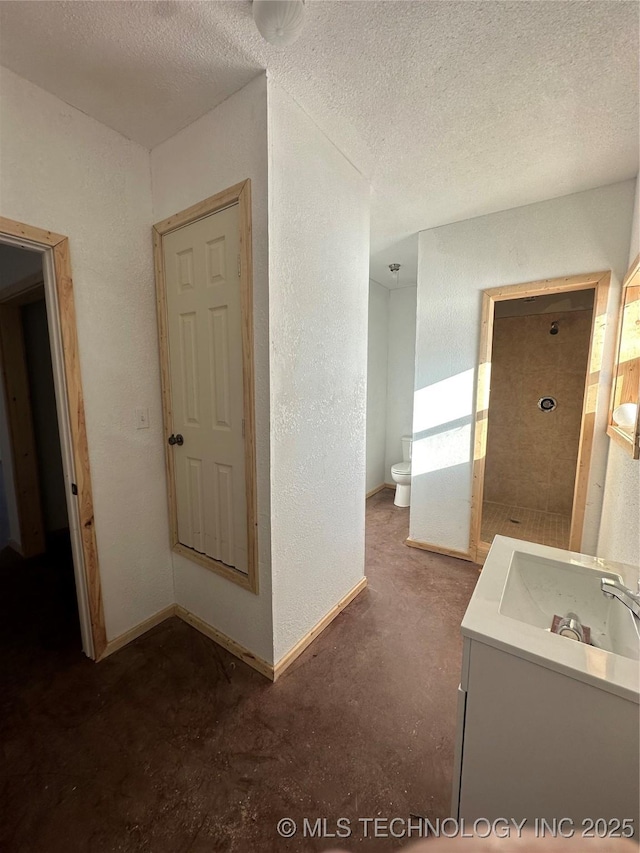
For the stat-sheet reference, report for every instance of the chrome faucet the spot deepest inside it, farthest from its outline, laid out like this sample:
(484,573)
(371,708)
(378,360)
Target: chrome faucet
(614,589)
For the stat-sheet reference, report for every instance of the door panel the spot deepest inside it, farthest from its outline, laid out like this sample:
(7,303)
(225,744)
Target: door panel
(204,320)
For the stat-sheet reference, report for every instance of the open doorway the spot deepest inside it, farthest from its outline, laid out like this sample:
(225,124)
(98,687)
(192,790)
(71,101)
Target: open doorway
(540,360)
(49,539)
(36,561)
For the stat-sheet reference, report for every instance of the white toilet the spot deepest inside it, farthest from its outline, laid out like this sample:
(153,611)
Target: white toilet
(401,473)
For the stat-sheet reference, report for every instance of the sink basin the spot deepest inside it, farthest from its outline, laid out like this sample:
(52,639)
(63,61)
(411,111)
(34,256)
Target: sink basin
(538,588)
(523,585)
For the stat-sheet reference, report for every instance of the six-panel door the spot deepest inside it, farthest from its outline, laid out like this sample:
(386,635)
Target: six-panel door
(204,318)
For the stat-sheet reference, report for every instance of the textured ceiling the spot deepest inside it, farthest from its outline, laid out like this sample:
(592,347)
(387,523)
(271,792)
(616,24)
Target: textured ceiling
(452,109)
(145,69)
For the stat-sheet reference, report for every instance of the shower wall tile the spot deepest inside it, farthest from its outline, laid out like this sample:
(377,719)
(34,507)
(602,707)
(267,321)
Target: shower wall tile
(561,485)
(531,455)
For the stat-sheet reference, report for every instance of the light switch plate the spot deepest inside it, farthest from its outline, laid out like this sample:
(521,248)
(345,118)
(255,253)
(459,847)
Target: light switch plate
(142,418)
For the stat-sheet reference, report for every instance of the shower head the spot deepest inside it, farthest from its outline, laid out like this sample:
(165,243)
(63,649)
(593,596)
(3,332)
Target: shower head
(554,328)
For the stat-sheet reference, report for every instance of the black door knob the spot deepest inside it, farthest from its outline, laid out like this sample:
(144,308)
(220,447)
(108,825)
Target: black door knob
(176,439)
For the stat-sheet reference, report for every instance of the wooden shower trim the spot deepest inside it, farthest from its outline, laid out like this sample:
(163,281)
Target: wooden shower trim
(59,245)
(599,282)
(239,194)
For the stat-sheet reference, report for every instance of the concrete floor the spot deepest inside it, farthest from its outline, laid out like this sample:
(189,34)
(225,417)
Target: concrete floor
(173,745)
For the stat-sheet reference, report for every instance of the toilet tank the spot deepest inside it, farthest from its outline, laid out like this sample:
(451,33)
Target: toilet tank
(407,441)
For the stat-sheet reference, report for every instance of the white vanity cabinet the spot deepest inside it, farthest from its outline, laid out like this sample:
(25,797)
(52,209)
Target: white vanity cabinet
(548,727)
(535,743)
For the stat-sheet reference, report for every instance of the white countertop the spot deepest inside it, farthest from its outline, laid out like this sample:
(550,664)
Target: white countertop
(483,621)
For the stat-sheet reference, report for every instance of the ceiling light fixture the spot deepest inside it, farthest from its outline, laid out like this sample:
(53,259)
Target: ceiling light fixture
(395,270)
(279,22)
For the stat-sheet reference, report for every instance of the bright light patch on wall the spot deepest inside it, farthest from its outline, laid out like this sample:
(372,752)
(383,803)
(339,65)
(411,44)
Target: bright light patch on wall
(441,450)
(442,424)
(443,402)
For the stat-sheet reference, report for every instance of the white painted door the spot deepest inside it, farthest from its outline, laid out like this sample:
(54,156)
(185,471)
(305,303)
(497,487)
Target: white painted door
(202,270)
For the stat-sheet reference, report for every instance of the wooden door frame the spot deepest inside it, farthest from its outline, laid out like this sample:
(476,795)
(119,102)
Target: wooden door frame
(239,194)
(17,405)
(629,442)
(598,282)
(61,318)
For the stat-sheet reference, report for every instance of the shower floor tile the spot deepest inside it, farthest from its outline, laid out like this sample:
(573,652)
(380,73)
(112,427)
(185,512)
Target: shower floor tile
(545,528)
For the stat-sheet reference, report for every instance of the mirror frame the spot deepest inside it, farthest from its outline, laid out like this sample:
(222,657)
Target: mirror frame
(629,441)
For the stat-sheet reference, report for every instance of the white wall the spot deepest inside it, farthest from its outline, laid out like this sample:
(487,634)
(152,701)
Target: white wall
(585,232)
(319,267)
(224,147)
(63,171)
(620,525)
(401,373)
(377,356)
